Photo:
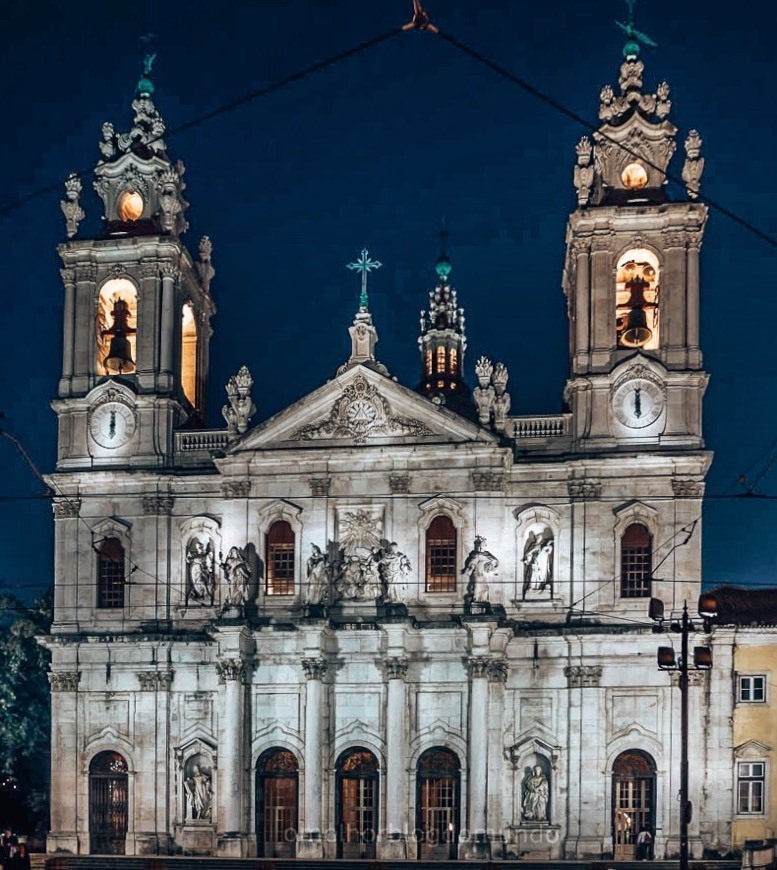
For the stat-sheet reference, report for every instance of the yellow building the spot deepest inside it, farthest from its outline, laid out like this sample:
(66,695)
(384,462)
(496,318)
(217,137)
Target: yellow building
(754,613)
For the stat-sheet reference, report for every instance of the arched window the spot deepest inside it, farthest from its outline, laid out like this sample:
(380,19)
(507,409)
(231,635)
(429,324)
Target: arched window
(437,804)
(116,327)
(108,783)
(277,774)
(428,369)
(636,300)
(633,800)
(189,354)
(279,574)
(636,562)
(441,555)
(453,367)
(111,572)
(441,360)
(357,804)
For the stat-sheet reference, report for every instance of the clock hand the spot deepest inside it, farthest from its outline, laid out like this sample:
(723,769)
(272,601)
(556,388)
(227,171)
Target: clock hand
(637,402)
(112,425)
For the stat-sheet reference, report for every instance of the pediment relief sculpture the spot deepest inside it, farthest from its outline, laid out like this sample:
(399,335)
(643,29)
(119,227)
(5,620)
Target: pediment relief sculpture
(361,412)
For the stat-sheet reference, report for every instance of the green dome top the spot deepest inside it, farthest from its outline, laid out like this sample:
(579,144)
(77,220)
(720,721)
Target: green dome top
(145,86)
(631,49)
(443,267)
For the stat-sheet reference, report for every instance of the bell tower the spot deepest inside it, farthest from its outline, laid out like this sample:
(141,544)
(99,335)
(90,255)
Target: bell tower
(137,306)
(631,276)
(442,343)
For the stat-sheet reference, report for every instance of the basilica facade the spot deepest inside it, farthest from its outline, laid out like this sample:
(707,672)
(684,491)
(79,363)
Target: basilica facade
(390,621)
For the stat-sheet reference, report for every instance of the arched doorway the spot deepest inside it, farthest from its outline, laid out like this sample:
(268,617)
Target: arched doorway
(357,803)
(633,800)
(108,786)
(277,803)
(438,779)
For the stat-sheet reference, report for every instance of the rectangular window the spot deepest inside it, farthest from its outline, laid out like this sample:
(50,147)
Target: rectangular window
(441,565)
(751,777)
(280,569)
(752,689)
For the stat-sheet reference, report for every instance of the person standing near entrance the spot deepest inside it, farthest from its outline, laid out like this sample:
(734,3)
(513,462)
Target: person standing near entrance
(644,844)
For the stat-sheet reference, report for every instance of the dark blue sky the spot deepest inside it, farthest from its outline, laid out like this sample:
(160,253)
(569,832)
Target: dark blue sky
(375,151)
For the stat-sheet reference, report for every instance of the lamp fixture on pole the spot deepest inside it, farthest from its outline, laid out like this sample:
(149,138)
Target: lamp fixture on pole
(667,661)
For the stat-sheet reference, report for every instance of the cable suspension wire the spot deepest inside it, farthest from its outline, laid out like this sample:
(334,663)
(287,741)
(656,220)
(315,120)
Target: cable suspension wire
(420,22)
(220,110)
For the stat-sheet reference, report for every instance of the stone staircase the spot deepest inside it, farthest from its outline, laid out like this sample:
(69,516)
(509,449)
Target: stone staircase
(165,862)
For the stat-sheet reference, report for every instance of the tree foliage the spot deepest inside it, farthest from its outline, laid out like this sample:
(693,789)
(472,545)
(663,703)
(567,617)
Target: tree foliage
(25,713)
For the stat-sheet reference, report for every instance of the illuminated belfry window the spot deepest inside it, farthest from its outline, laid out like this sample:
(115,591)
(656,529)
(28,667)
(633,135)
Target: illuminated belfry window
(189,354)
(428,362)
(115,327)
(441,360)
(637,300)
(453,361)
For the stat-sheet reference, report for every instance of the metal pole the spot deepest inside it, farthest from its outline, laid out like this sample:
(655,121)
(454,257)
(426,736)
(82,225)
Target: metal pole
(686,626)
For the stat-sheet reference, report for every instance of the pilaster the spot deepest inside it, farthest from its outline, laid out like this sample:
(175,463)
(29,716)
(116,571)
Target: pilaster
(310,844)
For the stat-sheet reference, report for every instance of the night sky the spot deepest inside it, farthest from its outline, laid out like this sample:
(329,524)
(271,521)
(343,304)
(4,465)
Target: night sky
(375,151)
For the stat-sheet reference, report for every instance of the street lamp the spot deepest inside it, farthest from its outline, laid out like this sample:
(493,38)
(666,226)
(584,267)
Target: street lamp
(702,660)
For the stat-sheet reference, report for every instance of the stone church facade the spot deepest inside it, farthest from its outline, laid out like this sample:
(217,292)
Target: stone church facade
(386,622)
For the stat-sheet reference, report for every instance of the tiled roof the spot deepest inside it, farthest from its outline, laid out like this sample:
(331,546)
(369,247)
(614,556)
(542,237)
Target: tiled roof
(740,606)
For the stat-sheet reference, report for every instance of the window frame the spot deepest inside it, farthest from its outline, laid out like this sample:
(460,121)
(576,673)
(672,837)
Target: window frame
(751,678)
(751,779)
(289,583)
(428,550)
(109,588)
(636,587)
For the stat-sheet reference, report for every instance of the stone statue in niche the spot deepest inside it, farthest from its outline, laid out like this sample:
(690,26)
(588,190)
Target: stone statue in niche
(534,807)
(237,575)
(480,567)
(200,572)
(197,785)
(538,564)
(319,577)
(394,570)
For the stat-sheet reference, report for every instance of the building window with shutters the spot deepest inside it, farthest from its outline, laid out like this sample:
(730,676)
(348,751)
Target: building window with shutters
(279,550)
(636,562)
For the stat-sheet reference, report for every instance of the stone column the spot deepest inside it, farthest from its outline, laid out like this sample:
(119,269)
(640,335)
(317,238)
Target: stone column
(69,326)
(694,244)
(582,307)
(311,844)
(85,342)
(602,339)
(394,846)
(477,847)
(230,785)
(63,836)
(167,331)
(497,677)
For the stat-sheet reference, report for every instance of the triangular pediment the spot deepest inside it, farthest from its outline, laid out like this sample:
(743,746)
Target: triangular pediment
(360,407)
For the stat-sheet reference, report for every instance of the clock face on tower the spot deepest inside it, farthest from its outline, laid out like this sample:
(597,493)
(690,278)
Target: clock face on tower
(638,402)
(112,424)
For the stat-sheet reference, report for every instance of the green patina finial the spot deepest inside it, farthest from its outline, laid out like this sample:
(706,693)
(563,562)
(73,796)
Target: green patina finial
(443,267)
(364,265)
(145,85)
(635,37)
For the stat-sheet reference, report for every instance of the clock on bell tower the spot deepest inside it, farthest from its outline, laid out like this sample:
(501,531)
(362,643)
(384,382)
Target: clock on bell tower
(137,306)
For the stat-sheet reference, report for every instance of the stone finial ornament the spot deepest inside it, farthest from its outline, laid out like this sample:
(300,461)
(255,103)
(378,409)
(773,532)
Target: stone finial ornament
(108,144)
(694,164)
(205,267)
(491,398)
(241,407)
(71,207)
(584,171)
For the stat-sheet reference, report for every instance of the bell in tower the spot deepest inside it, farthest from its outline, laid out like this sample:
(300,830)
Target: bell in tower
(119,360)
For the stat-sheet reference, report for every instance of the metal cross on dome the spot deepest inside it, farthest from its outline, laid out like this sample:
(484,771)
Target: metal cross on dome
(364,265)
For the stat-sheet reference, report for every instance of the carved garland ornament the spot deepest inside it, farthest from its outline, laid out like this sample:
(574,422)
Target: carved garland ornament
(361,412)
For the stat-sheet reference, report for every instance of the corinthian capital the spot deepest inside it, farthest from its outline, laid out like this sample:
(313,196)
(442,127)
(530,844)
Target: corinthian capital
(64,681)
(230,670)
(314,669)
(396,667)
